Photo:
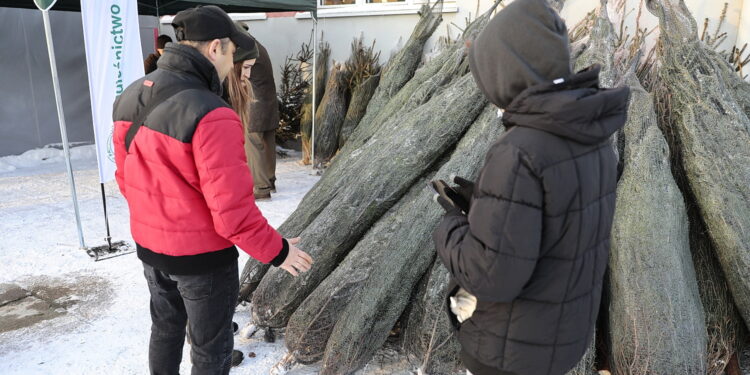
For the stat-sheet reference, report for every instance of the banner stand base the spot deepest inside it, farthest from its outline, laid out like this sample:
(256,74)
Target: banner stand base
(108,251)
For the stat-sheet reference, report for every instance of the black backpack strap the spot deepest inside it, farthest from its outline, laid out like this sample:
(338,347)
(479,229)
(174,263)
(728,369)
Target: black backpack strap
(154,102)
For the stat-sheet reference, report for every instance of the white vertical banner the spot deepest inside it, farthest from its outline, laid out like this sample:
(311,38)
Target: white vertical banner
(114,59)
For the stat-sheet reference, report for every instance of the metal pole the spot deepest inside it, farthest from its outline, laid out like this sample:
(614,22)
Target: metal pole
(315,70)
(106,218)
(61,118)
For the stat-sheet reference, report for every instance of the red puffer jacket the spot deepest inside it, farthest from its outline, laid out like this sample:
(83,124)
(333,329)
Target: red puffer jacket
(185,175)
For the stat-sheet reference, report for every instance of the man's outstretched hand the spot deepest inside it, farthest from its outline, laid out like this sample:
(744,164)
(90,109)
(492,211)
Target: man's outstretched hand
(297,261)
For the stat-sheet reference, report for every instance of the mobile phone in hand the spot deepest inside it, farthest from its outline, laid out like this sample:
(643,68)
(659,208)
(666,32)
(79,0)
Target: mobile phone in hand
(447,192)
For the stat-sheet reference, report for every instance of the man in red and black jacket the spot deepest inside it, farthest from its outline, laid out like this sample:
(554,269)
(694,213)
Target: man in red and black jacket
(181,166)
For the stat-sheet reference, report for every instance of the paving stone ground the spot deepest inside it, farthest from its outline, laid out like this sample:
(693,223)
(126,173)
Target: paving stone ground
(35,300)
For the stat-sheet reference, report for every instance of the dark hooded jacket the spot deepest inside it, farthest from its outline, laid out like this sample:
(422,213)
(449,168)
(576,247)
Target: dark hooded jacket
(149,65)
(264,109)
(534,246)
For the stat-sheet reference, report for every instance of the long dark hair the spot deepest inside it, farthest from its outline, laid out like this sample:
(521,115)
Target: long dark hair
(240,96)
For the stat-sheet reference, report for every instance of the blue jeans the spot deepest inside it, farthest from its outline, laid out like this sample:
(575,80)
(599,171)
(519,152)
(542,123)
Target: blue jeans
(207,302)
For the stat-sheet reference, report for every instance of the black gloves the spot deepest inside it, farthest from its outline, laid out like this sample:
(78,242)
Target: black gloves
(465,189)
(453,199)
(448,205)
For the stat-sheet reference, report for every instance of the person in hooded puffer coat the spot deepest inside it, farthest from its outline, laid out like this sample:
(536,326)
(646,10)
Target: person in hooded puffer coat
(533,244)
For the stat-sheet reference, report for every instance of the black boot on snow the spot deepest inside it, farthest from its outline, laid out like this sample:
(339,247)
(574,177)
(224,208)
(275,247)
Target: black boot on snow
(237,357)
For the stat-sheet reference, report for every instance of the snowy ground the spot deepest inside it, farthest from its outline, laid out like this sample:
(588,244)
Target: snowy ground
(101,320)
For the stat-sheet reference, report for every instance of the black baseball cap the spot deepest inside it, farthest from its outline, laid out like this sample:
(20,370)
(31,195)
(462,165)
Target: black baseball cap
(209,22)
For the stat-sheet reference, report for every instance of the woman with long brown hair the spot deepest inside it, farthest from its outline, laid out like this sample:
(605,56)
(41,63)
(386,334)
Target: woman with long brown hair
(238,87)
(239,94)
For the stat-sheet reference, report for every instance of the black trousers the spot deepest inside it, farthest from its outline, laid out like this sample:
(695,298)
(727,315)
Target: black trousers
(207,302)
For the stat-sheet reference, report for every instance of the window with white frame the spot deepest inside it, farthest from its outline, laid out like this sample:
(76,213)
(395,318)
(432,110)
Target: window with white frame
(349,8)
(360,2)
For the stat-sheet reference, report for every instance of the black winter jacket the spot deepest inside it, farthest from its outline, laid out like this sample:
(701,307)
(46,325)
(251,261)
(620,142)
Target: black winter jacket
(535,244)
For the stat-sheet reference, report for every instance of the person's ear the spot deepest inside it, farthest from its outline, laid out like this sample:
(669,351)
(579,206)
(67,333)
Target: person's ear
(214,49)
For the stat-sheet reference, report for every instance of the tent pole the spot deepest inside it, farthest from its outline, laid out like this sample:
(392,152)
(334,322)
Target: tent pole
(315,70)
(106,218)
(61,118)
(158,20)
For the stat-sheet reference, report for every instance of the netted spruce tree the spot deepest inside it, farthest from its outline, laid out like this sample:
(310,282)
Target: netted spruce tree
(713,132)
(657,323)
(320,76)
(364,66)
(676,86)
(331,112)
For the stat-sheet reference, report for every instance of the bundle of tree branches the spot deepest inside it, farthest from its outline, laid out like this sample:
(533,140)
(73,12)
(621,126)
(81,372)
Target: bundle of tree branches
(723,323)
(320,76)
(425,81)
(580,34)
(656,318)
(293,89)
(428,339)
(400,68)
(714,132)
(364,66)
(353,82)
(321,71)
(659,330)
(601,49)
(654,332)
(329,117)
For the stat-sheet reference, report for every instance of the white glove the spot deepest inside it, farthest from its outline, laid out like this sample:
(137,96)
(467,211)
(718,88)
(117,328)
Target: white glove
(463,305)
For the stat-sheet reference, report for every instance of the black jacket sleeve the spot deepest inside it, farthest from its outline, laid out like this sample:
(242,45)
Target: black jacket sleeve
(492,253)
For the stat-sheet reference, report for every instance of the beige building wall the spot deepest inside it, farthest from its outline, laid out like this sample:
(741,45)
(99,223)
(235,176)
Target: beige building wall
(743,35)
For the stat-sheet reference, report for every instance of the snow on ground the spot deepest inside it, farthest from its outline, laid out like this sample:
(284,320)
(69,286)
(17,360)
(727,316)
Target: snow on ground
(48,159)
(107,331)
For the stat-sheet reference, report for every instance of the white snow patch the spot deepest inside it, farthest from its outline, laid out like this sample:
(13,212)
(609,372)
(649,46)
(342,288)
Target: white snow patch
(40,240)
(49,159)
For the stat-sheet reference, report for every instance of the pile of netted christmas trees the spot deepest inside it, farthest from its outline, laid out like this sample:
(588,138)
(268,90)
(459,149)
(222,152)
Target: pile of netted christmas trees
(678,290)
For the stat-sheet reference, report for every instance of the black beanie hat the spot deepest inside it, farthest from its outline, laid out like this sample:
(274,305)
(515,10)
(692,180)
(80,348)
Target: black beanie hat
(244,54)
